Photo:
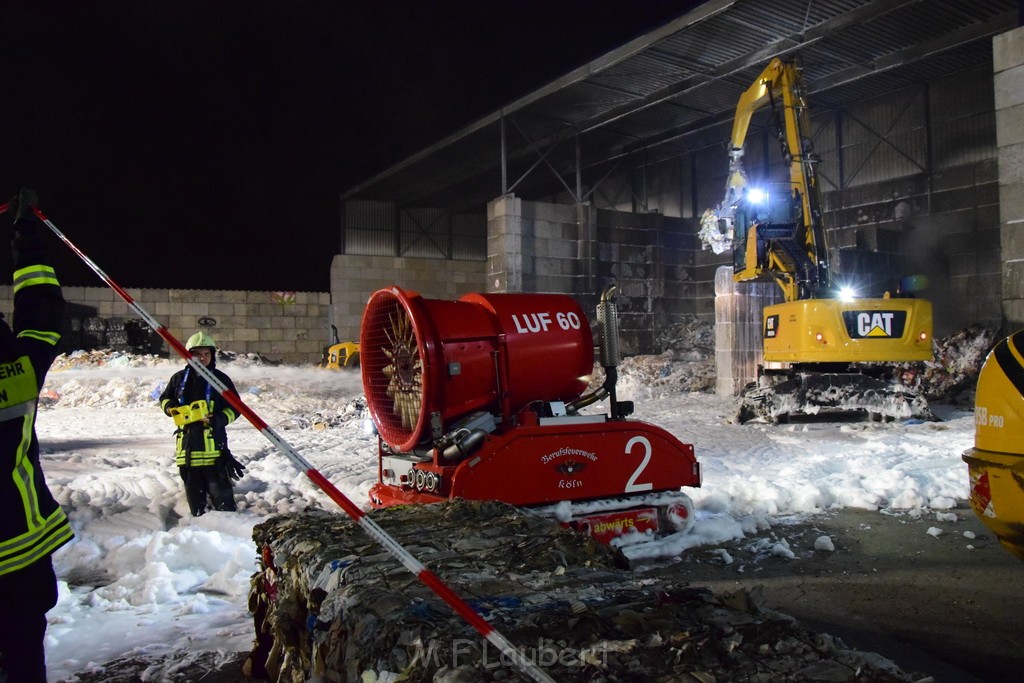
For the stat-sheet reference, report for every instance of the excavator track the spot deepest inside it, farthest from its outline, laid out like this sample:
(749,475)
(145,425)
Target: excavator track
(831,395)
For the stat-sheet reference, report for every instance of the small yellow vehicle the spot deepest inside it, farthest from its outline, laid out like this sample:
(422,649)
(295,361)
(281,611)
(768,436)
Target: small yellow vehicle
(340,354)
(996,463)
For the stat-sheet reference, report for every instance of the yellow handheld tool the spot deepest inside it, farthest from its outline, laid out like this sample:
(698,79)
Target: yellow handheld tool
(193,412)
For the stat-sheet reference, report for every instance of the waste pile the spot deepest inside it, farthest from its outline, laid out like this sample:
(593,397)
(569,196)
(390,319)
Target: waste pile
(108,358)
(330,603)
(952,376)
(89,332)
(686,363)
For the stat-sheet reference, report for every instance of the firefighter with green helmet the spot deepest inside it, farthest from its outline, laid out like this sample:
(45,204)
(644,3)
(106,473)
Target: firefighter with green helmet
(32,525)
(201,414)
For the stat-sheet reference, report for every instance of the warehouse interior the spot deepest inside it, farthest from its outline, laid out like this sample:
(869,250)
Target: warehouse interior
(600,177)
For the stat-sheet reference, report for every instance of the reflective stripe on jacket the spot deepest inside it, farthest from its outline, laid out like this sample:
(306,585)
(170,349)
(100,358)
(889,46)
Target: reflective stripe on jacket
(32,525)
(207,455)
(196,444)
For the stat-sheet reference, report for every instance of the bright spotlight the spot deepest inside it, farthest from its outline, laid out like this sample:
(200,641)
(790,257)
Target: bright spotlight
(756,196)
(847,294)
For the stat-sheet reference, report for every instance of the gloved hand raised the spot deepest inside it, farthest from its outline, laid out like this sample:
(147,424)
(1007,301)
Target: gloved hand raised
(26,244)
(228,467)
(22,203)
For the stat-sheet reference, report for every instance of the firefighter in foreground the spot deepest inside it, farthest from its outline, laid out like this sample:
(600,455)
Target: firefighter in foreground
(201,414)
(32,525)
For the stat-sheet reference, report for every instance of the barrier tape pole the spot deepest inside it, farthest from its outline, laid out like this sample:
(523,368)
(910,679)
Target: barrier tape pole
(427,577)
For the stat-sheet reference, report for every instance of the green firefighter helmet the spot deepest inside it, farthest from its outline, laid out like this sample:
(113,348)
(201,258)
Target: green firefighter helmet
(201,338)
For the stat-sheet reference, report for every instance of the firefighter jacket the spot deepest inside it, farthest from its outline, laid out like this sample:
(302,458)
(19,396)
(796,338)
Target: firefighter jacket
(199,443)
(32,525)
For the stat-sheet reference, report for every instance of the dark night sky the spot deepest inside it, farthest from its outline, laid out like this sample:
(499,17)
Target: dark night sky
(205,144)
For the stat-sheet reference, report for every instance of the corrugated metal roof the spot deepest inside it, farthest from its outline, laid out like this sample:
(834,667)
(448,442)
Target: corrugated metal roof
(660,94)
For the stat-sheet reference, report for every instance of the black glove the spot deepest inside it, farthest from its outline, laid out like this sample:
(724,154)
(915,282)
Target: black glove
(26,244)
(228,467)
(218,420)
(22,203)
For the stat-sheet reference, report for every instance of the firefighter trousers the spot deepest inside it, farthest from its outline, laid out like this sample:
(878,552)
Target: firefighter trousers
(203,482)
(25,597)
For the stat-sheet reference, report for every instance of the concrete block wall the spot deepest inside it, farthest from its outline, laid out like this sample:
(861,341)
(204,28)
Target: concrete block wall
(354,278)
(505,244)
(1008,68)
(292,332)
(534,246)
(544,247)
(649,258)
(705,274)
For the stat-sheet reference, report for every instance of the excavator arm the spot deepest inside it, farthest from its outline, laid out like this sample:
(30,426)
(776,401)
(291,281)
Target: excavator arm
(778,236)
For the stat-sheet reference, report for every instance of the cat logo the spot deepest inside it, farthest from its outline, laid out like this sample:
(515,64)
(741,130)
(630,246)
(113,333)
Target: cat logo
(875,324)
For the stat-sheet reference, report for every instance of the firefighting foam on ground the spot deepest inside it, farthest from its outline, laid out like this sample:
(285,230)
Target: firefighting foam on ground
(143,578)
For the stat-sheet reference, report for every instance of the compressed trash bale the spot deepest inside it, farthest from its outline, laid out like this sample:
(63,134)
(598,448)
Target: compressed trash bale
(329,602)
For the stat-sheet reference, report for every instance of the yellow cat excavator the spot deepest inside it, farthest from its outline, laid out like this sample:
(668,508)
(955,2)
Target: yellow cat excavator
(822,343)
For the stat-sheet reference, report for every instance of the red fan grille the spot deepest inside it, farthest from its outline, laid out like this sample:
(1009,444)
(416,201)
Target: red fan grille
(392,368)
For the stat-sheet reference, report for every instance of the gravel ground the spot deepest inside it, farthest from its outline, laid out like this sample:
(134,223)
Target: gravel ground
(931,604)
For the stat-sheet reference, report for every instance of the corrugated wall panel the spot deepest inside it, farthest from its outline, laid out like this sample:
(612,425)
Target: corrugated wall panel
(614,193)
(367,214)
(870,162)
(369,228)
(663,191)
(962,94)
(894,113)
(963,127)
(965,140)
(424,233)
(369,242)
(823,137)
(469,237)
(885,137)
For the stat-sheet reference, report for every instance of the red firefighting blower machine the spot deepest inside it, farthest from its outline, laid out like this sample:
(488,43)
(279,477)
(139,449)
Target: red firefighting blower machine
(482,399)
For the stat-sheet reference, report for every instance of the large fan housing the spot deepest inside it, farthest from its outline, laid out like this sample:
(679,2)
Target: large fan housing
(426,363)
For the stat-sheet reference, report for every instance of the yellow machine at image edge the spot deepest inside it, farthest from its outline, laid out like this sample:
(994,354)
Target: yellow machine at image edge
(996,463)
